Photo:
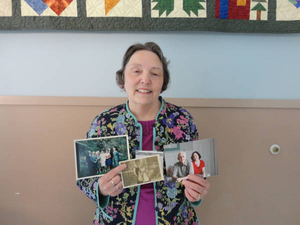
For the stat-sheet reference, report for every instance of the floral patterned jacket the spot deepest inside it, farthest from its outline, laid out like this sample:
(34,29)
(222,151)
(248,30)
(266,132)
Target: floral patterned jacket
(173,125)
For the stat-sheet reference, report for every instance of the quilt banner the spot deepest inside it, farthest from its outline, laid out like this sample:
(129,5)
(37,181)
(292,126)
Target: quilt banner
(251,16)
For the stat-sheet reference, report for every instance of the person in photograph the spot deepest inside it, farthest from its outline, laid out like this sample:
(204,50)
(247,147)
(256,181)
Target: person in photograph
(94,160)
(182,168)
(112,156)
(98,162)
(140,172)
(150,123)
(103,161)
(116,157)
(89,161)
(198,164)
(108,159)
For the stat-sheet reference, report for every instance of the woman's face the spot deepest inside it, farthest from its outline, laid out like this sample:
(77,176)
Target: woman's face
(195,156)
(143,78)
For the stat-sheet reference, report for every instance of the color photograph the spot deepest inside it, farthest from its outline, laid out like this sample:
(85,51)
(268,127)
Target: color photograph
(194,157)
(97,156)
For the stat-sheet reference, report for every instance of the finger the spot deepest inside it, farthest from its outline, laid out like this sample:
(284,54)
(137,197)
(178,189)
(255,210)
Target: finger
(110,180)
(189,196)
(197,186)
(195,178)
(192,195)
(113,183)
(195,189)
(117,189)
(194,181)
(109,188)
(108,176)
(116,180)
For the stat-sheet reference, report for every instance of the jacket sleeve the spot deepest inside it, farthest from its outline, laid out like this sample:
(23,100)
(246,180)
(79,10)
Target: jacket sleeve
(193,129)
(89,186)
(196,204)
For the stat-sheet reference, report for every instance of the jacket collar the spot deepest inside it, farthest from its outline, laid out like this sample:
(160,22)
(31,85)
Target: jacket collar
(161,108)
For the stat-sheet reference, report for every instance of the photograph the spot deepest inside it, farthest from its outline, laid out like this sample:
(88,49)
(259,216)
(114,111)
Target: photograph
(144,153)
(194,157)
(95,157)
(142,171)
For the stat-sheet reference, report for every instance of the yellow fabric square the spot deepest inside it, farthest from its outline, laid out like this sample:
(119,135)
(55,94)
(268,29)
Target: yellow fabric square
(241,3)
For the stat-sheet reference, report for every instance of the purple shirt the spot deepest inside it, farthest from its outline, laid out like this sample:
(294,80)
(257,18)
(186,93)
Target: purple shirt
(146,207)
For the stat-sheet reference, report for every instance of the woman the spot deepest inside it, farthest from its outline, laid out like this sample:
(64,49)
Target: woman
(199,165)
(150,123)
(116,157)
(98,162)
(103,161)
(141,173)
(108,159)
(89,162)
(94,160)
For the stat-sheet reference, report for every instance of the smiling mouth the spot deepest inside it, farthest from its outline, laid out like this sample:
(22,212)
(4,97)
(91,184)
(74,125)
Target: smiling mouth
(144,91)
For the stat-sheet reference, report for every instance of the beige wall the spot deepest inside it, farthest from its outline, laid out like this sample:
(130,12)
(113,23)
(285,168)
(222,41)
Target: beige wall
(253,187)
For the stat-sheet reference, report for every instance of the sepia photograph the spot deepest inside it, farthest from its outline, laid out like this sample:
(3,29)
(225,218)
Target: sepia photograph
(142,171)
(194,157)
(144,153)
(96,156)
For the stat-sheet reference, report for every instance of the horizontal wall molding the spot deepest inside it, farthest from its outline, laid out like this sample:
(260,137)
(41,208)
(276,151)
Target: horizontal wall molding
(184,102)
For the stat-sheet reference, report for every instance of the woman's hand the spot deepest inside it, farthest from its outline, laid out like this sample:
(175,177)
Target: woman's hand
(195,187)
(111,183)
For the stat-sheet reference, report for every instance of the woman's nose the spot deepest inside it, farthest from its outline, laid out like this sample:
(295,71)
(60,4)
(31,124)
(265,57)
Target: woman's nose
(145,78)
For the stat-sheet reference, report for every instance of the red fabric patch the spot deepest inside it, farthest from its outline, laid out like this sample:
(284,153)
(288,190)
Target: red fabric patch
(58,6)
(238,12)
(217,8)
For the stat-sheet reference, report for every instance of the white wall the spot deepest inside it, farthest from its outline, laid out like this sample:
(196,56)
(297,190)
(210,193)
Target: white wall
(203,64)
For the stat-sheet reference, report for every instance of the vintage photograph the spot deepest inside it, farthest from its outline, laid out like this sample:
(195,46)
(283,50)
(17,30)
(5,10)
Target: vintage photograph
(144,153)
(194,157)
(97,156)
(142,171)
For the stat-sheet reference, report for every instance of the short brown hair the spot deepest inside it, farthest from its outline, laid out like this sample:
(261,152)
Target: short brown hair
(149,46)
(197,154)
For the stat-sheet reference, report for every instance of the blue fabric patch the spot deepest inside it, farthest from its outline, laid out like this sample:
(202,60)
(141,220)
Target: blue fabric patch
(37,5)
(224,9)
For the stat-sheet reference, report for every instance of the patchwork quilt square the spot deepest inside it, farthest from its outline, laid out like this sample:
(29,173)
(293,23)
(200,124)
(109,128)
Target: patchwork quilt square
(62,8)
(259,10)
(114,8)
(288,10)
(178,8)
(242,9)
(5,7)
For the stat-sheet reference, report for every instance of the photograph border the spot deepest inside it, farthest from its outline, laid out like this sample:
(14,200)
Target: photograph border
(211,163)
(92,140)
(140,159)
